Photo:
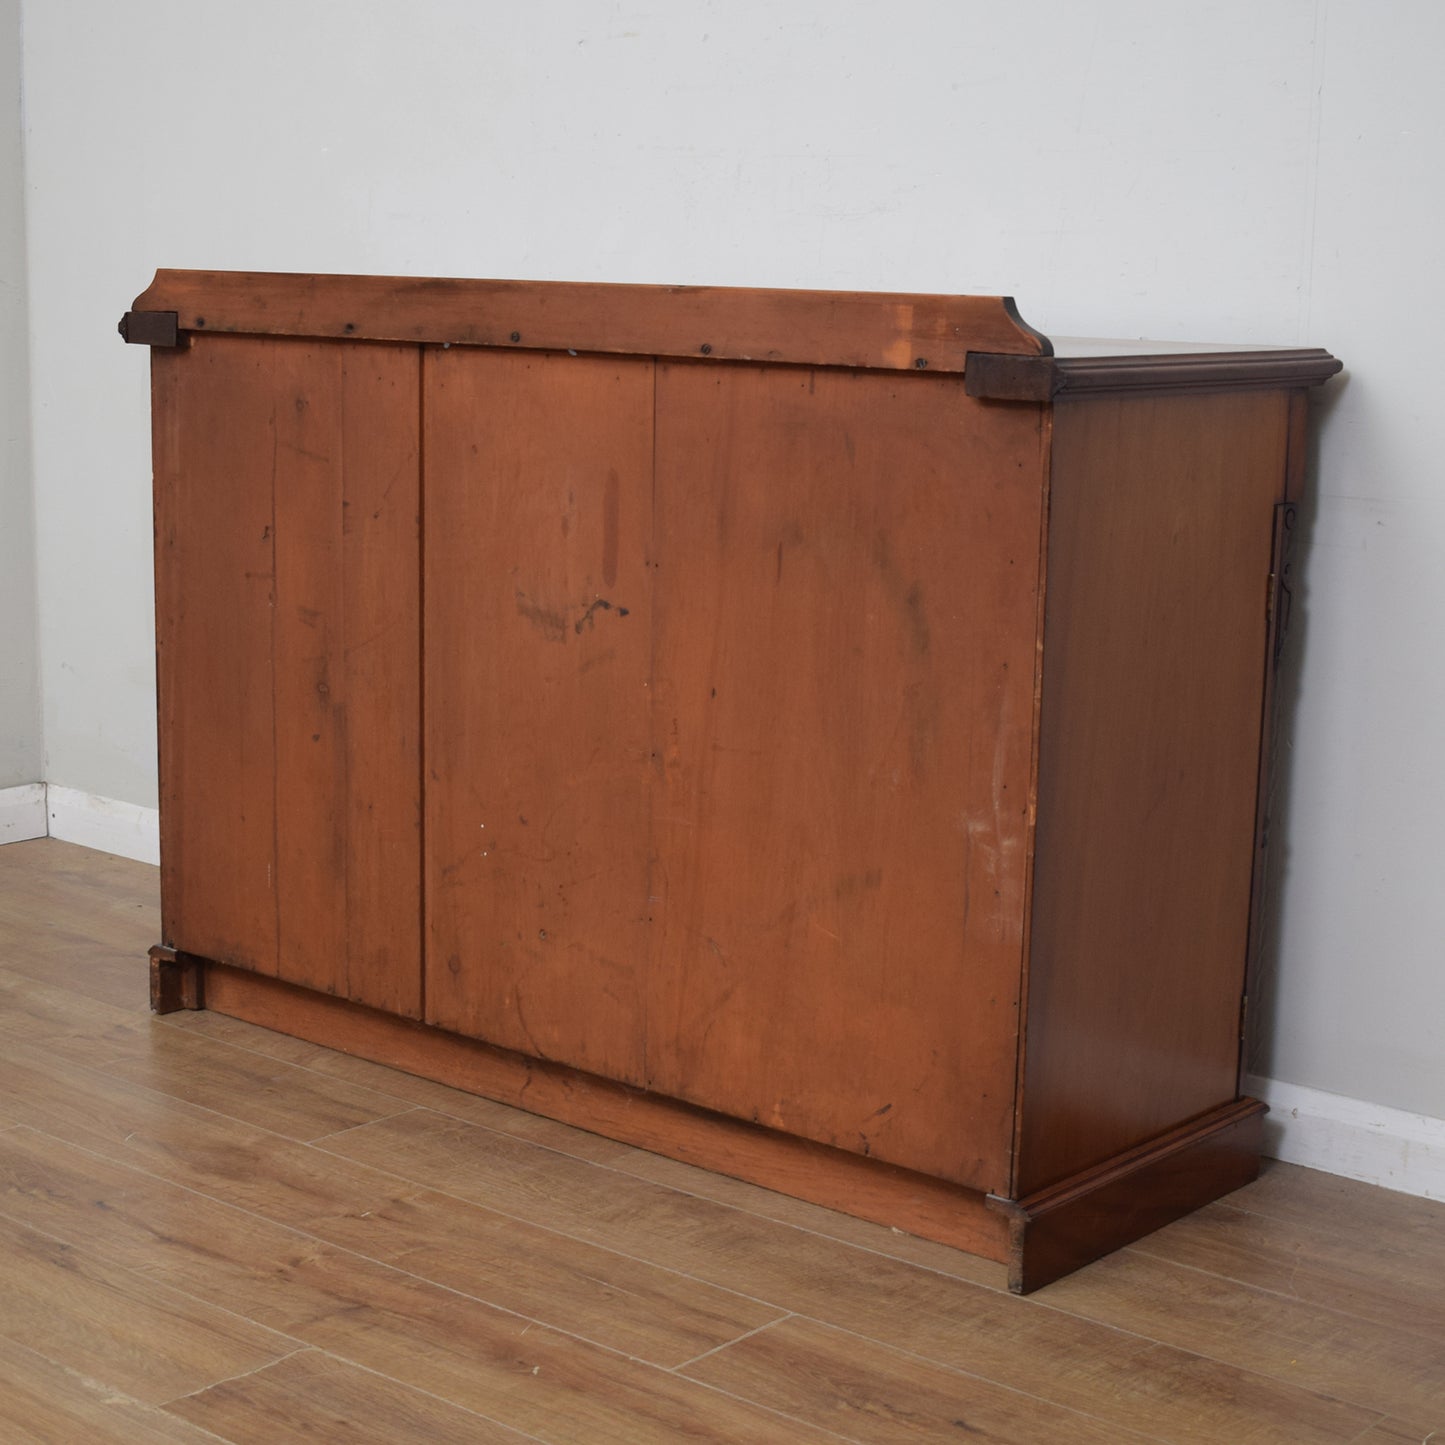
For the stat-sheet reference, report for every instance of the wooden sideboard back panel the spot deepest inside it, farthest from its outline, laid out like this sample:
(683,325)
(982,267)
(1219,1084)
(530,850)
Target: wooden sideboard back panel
(1160,530)
(727,709)
(288,657)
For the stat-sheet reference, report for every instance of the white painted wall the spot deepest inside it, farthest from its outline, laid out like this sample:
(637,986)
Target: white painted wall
(1232,171)
(21,754)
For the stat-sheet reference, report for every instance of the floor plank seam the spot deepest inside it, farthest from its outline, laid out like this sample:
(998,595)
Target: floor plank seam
(683,1193)
(301,1349)
(294,1340)
(573,1238)
(116,1396)
(189,1103)
(1126,1434)
(369,1259)
(337,1133)
(728,1344)
(1326,1230)
(964,1284)
(775,1412)
(554,1149)
(815,1233)
(1296,1299)
(952,1369)
(1037,1302)
(74,965)
(432,1395)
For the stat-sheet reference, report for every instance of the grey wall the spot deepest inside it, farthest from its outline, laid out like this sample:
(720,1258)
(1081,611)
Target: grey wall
(21,754)
(1223,172)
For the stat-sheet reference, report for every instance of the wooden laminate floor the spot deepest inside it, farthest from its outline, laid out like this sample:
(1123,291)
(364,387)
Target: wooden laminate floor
(209,1231)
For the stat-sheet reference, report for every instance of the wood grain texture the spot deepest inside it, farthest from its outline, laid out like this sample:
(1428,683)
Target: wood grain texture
(1312,1323)
(1077,1220)
(1154,640)
(314,1396)
(825,328)
(1347,1208)
(347,669)
(836,1380)
(301,1255)
(215,597)
(844,695)
(176,980)
(840,1180)
(407,1088)
(1401,1432)
(1384,1367)
(288,660)
(43,1403)
(1366,1279)
(271,1095)
(1131,1381)
(539,619)
(76,1309)
(654,1314)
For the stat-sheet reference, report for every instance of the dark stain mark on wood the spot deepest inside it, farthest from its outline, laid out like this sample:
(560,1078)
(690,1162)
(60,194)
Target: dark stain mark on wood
(551,624)
(908,596)
(918,623)
(599,604)
(851,884)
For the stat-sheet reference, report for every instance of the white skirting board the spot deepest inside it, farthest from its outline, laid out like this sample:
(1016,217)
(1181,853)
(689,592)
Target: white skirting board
(22,813)
(1388,1147)
(104,824)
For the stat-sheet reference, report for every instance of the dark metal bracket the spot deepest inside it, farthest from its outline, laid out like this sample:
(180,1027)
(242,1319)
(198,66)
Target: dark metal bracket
(150,328)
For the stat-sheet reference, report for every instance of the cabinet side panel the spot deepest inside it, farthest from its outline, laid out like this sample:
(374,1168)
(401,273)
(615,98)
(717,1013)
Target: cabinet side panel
(348,670)
(1161,512)
(538,637)
(214,465)
(844,695)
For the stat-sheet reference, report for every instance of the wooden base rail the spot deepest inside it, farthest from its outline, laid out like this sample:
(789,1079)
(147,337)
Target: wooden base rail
(1041,1238)
(1056,1231)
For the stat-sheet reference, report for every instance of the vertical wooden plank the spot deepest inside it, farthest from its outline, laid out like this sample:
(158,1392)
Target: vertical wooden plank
(287,571)
(214,467)
(381,603)
(538,524)
(348,670)
(1160,528)
(844,695)
(311,693)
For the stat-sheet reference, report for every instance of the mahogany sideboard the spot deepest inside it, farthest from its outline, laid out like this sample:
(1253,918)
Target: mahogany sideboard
(819,736)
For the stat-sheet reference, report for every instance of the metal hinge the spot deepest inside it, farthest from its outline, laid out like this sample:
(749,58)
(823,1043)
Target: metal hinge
(1280,597)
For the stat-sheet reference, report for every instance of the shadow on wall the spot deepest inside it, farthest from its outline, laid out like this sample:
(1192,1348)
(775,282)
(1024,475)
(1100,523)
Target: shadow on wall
(1263,987)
